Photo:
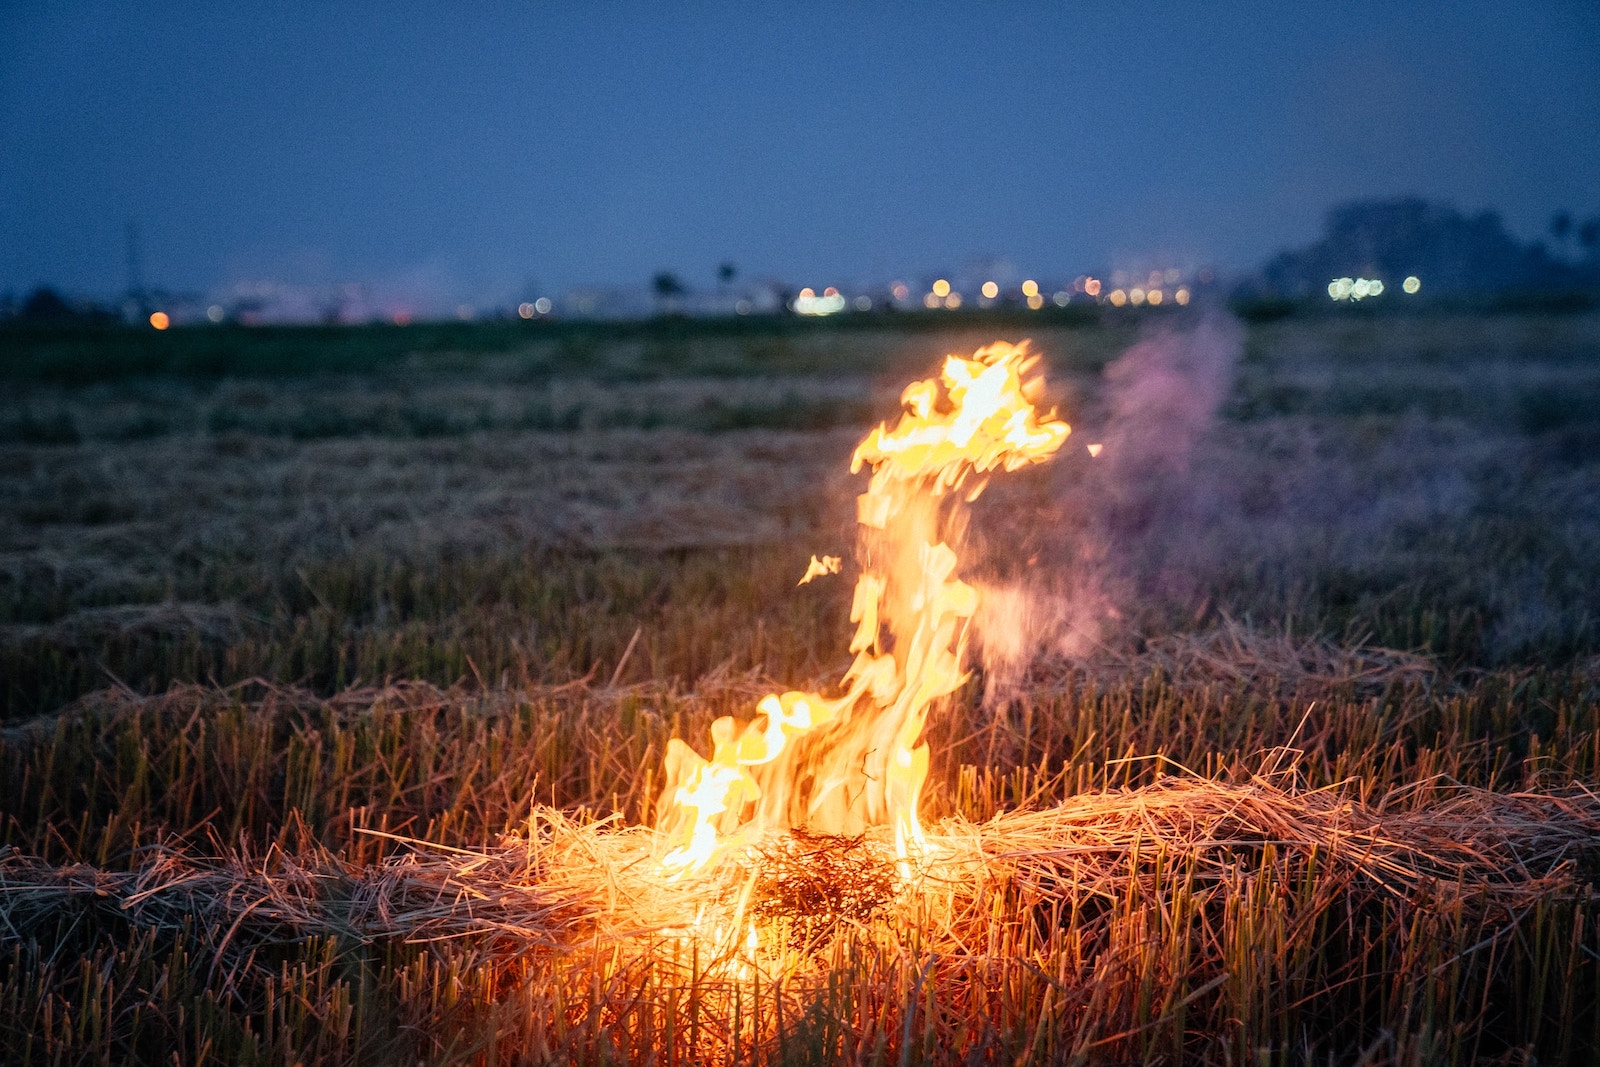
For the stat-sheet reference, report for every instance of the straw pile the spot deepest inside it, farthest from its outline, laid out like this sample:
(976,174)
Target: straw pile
(567,883)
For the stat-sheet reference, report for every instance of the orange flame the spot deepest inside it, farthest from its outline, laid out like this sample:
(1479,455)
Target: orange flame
(842,764)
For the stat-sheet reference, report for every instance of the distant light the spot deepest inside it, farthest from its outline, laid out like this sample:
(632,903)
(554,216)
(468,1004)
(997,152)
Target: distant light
(1118,297)
(1354,288)
(809,303)
(215,313)
(930,300)
(1411,284)
(1172,276)
(941,288)
(863,303)
(1155,297)
(1095,450)
(1030,288)
(401,317)
(901,290)
(742,307)
(159,320)
(1092,286)
(525,309)
(1154,281)
(1062,298)
(1036,301)
(543,305)
(1136,296)
(952,301)
(1181,296)
(464,312)
(991,290)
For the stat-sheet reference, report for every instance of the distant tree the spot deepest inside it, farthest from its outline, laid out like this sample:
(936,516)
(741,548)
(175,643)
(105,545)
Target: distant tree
(44,304)
(1390,239)
(667,286)
(1561,228)
(1589,237)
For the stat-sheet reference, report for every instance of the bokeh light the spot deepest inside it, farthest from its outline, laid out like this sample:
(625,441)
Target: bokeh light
(1118,297)
(1030,288)
(1182,297)
(991,290)
(1136,296)
(525,309)
(215,313)
(1411,284)
(1092,286)
(159,320)
(543,305)
(1035,301)
(941,288)
(952,301)
(1062,298)
(1155,296)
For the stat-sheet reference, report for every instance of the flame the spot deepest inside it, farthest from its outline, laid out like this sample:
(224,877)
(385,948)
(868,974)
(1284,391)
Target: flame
(819,568)
(845,763)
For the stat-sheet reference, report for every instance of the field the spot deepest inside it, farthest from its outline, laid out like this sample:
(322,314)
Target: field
(337,668)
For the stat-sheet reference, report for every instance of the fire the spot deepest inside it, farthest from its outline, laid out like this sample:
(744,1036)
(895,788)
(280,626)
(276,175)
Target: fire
(842,764)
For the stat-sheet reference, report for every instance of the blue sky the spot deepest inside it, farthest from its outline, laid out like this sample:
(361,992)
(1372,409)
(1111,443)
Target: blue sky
(475,148)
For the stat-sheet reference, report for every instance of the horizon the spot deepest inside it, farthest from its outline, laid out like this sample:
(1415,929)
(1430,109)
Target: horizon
(490,155)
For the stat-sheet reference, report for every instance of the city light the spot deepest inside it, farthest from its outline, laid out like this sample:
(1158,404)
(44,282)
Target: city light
(1355,288)
(159,320)
(809,303)
(1411,284)
(1117,298)
(1035,302)
(991,290)
(1136,296)
(1182,297)
(525,309)
(941,288)
(952,301)
(1030,288)
(543,305)
(1092,286)
(1155,296)
(1062,298)
(931,300)
(215,313)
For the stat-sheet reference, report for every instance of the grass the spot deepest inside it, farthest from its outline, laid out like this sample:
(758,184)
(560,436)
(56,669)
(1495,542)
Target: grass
(327,697)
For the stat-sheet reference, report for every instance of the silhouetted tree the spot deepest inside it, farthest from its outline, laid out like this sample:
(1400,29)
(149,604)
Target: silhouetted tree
(1589,237)
(44,304)
(726,273)
(1561,228)
(667,287)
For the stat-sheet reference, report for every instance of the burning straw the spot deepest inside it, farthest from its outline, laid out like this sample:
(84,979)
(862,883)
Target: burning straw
(1096,898)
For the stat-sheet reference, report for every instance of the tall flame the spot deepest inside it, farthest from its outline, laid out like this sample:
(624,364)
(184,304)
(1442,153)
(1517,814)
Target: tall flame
(841,764)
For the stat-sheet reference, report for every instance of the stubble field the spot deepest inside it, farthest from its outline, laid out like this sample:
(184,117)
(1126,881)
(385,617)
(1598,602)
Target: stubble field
(318,687)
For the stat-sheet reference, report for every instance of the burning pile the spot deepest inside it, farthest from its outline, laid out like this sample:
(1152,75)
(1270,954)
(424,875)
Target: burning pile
(837,765)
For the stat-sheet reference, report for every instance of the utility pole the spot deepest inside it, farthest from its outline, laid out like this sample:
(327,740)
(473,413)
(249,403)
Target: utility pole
(133,304)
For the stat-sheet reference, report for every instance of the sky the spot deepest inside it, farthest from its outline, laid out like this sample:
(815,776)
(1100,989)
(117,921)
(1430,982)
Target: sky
(476,151)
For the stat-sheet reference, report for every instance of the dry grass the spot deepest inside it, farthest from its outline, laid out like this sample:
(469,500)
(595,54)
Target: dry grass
(333,707)
(1187,918)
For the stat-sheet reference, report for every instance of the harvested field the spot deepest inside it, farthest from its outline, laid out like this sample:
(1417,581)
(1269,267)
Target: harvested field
(334,706)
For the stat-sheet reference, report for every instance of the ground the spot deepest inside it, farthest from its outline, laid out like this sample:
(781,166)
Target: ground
(262,592)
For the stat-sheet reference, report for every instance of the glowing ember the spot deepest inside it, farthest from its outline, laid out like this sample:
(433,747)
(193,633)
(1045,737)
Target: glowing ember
(839,765)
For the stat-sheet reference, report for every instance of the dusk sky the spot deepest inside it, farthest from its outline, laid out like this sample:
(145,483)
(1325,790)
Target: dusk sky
(470,151)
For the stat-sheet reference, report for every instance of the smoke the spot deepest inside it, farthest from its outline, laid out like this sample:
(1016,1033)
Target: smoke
(1105,536)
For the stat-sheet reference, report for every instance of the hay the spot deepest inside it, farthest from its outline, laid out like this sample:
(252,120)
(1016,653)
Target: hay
(567,882)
